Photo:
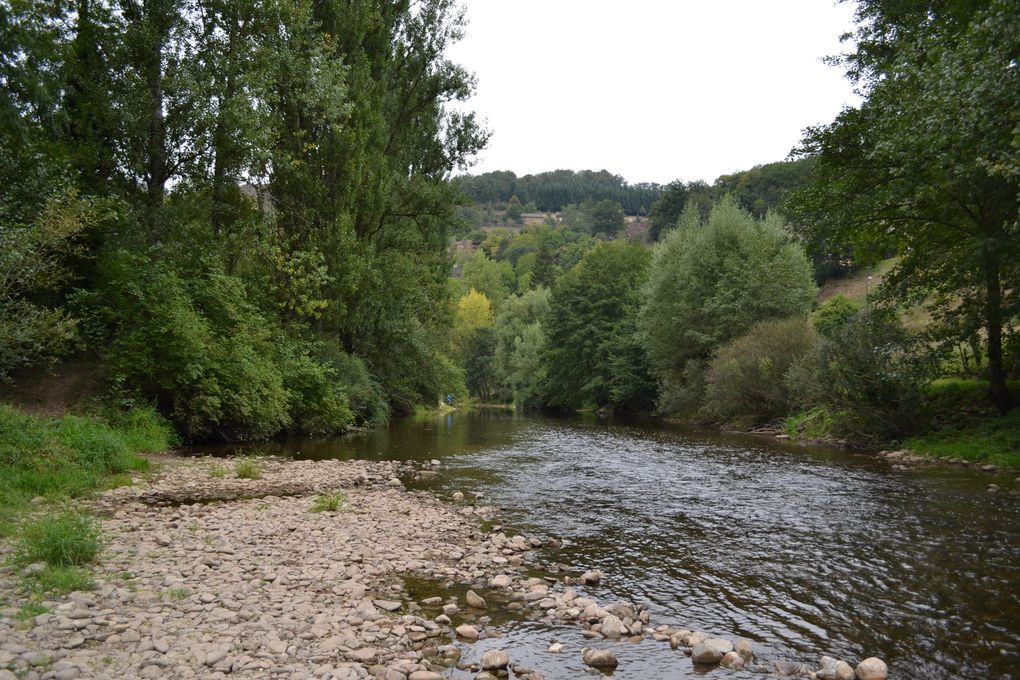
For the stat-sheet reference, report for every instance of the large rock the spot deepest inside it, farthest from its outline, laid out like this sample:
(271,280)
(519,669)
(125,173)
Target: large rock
(467,632)
(612,628)
(711,651)
(495,660)
(599,658)
(744,649)
(872,668)
(475,600)
(789,669)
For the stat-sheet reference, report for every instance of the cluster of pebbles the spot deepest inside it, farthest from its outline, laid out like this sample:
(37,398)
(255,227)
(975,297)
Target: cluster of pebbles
(212,577)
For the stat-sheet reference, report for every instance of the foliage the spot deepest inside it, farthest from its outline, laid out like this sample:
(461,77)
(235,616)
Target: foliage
(832,316)
(279,170)
(745,380)
(763,187)
(675,199)
(493,279)
(710,282)
(328,501)
(591,332)
(928,164)
(870,374)
(519,344)
(606,217)
(69,539)
(480,371)
(58,580)
(33,260)
(217,472)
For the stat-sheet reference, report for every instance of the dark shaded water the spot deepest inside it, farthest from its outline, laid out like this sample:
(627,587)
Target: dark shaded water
(805,551)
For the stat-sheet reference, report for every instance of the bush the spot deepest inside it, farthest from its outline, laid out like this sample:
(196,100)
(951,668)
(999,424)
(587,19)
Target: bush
(66,540)
(834,315)
(745,380)
(871,373)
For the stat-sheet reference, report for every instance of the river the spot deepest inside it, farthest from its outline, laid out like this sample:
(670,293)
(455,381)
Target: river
(803,550)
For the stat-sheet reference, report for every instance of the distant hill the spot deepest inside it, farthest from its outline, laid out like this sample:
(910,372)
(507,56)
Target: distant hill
(552,191)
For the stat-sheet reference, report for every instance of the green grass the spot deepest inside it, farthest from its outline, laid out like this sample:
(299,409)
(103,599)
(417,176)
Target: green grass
(328,501)
(217,471)
(70,456)
(59,580)
(993,440)
(30,611)
(248,468)
(69,539)
(814,424)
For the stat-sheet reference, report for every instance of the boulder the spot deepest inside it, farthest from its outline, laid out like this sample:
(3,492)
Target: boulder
(744,649)
(495,660)
(711,651)
(612,628)
(467,632)
(475,600)
(834,669)
(872,668)
(599,658)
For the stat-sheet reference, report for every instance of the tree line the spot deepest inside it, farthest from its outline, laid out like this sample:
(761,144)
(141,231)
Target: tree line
(240,207)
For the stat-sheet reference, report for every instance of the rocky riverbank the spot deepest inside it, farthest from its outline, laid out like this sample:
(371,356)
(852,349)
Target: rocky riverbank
(208,575)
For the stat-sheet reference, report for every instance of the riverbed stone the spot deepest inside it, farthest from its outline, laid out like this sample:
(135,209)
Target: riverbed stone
(599,658)
(495,660)
(732,660)
(711,651)
(744,648)
(475,600)
(468,632)
(612,628)
(872,668)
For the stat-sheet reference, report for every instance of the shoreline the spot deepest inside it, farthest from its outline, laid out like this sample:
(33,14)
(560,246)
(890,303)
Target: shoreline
(214,577)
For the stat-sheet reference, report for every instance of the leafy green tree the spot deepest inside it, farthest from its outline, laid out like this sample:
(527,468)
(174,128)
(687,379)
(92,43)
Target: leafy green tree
(711,282)
(519,314)
(606,218)
(667,210)
(591,335)
(928,163)
(494,279)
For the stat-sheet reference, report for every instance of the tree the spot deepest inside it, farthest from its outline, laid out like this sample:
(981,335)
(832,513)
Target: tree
(928,164)
(666,211)
(591,334)
(710,282)
(606,218)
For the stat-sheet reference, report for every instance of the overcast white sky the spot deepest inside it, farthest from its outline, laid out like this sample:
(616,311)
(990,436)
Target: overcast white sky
(654,90)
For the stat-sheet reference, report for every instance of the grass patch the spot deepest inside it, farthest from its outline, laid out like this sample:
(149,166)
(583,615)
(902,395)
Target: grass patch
(248,468)
(69,539)
(30,611)
(70,456)
(217,471)
(817,423)
(328,501)
(59,580)
(992,440)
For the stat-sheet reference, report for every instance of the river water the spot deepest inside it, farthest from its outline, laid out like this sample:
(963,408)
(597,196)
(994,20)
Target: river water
(803,550)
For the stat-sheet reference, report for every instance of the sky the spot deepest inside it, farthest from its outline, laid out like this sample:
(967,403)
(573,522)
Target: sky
(653,90)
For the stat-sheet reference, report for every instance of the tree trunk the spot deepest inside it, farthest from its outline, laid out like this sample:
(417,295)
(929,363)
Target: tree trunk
(998,390)
(156,154)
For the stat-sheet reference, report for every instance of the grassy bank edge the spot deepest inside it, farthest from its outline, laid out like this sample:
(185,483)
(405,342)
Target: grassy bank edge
(48,463)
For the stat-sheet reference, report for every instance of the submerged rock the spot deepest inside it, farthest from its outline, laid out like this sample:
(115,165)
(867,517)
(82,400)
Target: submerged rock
(732,660)
(599,658)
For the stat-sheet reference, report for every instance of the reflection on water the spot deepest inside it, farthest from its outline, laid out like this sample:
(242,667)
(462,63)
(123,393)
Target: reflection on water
(804,551)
